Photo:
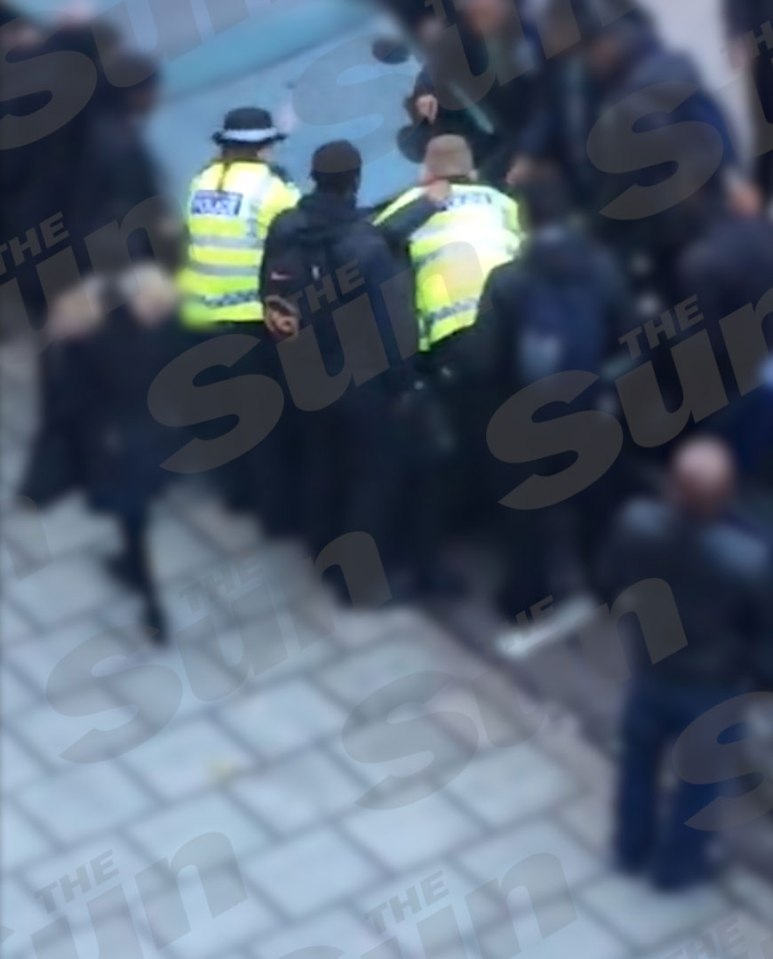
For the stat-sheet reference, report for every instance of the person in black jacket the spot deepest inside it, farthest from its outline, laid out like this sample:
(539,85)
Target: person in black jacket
(110,338)
(719,646)
(482,80)
(728,267)
(611,97)
(341,309)
(749,26)
(559,306)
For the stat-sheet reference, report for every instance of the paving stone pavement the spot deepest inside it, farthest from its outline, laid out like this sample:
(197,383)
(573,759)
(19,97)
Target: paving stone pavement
(358,795)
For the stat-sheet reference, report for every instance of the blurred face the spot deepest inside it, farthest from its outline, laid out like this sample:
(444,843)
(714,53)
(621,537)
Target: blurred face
(604,56)
(486,17)
(703,477)
(19,34)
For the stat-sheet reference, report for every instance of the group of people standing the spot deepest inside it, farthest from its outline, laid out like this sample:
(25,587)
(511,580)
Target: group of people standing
(570,163)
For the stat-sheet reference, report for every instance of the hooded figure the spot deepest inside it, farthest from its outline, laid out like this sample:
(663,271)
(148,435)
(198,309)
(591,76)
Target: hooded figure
(99,435)
(329,280)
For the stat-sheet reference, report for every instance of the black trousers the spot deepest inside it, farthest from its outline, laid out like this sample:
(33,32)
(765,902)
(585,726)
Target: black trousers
(350,471)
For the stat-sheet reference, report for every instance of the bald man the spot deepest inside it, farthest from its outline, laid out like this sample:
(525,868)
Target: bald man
(714,648)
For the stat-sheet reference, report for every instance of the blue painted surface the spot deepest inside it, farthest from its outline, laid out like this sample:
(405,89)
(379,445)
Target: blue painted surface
(331,91)
(308,61)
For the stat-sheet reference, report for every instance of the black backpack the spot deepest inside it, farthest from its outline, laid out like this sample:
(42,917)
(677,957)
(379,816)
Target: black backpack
(305,257)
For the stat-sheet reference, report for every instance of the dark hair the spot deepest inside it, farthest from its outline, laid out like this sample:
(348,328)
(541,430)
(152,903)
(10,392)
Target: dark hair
(337,167)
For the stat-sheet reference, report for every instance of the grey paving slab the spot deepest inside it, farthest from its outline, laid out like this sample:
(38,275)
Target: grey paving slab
(357,628)
(190,757)
(21,840)
(80,802)
(317,869)
(588,818)
(63,590)
(730,935)
(16,625)
(231,533)
(175,550)
(22,913)
(220,913)
(66,527)
(17,764)
(203,681)
(582,937)
(644,916)
(399,906)
(402,755)
(560,861)
(15,694)
(110,854)
(292,795)
(37,657)
(79,724)
(283,718)
(333,932)
(360,677)
(742,885)
(265,641)
(212,821)
(503,785)
(280,645)
(401,837)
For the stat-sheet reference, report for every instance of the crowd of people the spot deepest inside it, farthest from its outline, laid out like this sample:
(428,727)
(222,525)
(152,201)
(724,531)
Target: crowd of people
(439,368)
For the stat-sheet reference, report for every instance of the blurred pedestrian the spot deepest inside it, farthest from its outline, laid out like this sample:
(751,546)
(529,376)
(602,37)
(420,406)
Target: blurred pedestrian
(45,155)
(99,436)
(119,177)
(475,229)
(642,89)
(232,204)
(727,267)
(482,80)
(343,315)
(561,305)
(719,575)
(750,30)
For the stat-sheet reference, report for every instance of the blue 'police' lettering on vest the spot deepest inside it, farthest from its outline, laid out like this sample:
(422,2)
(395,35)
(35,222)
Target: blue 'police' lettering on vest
(467,199)
(216,203)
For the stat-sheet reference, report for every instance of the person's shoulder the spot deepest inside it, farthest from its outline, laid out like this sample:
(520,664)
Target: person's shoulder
(398,203)
(281,173)
(288,222)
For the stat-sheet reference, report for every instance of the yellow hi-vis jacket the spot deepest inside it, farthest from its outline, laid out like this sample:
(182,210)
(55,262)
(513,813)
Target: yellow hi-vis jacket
(452,254)
(229,212)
